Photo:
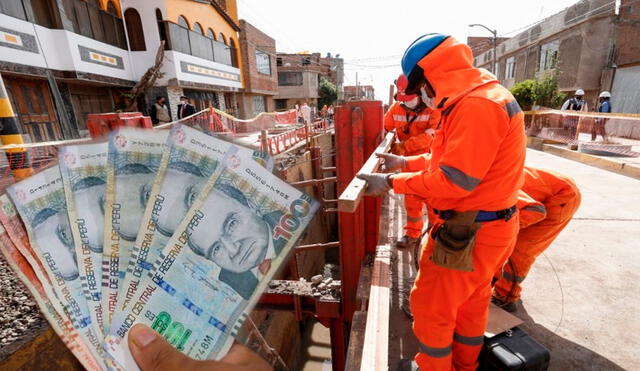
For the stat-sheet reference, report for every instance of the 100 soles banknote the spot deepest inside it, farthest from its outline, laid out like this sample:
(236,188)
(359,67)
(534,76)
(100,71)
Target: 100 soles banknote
(84,175)
(222,255)
(49,307)
(190,158)
(133,161)
(41,203)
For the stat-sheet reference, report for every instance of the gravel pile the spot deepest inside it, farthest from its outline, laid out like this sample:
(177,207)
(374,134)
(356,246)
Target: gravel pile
(19,313)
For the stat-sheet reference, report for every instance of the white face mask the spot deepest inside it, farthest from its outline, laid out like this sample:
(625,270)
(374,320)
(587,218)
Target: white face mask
(413,103)
(425,98)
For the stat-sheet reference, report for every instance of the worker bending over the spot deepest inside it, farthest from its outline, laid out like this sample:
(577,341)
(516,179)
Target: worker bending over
(472,179)
(414,124)
(547,203)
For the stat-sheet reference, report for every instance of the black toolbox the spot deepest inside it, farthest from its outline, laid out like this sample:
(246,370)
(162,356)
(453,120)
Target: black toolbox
(513,350)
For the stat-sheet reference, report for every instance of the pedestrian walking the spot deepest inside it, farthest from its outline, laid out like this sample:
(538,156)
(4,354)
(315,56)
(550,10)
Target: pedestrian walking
(600,123)
(185,108)
(160,113)
(571,122)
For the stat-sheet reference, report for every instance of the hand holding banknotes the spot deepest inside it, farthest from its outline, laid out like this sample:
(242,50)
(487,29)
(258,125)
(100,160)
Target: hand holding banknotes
(152,352)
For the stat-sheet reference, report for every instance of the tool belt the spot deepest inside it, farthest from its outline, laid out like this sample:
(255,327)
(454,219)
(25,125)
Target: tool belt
(455,239)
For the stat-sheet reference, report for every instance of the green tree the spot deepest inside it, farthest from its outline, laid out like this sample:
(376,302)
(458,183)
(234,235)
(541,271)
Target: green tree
(524,93)
(543,92)
(327,93)
(546,91)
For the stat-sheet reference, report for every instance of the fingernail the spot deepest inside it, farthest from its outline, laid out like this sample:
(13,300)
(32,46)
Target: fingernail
(143,335)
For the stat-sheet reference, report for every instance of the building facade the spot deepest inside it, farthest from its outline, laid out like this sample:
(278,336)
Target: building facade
(63,59)
(577,43)
(359,92)
(259,74)
(298,79)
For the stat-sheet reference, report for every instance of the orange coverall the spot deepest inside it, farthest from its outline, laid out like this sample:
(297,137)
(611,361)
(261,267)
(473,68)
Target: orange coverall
(412,132)
(547,203)
(476,163)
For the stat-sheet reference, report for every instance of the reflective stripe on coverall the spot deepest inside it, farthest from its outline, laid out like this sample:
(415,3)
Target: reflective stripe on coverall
(412,132)
(476,164)
(547,203)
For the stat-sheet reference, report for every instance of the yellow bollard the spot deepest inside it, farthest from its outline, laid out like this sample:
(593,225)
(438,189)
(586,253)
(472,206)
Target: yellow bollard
(18,157)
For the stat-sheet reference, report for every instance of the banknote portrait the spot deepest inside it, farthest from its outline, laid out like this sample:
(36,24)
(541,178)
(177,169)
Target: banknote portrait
(53,235)
(133,185)
(183,183)
(236,238)
(89,195)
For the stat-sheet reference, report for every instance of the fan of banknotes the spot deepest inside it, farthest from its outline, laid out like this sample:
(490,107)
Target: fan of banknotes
(175,229)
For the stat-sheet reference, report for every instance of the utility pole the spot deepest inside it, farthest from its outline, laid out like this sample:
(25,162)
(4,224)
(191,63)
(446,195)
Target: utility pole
(357,87)
(494,68)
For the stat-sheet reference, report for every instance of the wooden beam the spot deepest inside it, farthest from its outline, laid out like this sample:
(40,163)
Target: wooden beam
(375,350)
(351,196)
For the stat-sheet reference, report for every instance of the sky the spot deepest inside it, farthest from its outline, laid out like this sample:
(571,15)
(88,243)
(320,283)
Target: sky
(371,36)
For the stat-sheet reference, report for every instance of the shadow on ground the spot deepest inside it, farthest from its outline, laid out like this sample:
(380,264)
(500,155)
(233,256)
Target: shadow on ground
(565,354)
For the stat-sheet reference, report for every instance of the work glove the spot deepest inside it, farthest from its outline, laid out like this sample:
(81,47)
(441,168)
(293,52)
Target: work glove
(392,162)
(377,184)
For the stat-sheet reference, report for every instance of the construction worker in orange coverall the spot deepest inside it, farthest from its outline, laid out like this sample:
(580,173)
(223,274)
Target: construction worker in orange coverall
(414,124)
(472,179)
(546,203)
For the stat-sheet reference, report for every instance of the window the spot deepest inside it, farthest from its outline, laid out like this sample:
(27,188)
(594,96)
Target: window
(548,56)
(259,104)
(222,39)
(182,21)
(263,63)
(290,78)
(306,61)
(90,20)
(134,30)
(198,28)
(211,34)
(510,71)
(281,104)
(234,52)
(14,8)
(43,12)
(279,61)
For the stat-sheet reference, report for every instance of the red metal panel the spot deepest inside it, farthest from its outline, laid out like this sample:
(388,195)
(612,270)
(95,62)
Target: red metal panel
(373,135)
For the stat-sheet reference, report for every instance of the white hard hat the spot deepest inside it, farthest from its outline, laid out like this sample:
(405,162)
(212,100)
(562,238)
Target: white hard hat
(605,94)
(579,92)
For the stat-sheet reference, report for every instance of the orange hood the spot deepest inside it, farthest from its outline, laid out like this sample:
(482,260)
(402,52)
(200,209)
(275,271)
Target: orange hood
(449,69)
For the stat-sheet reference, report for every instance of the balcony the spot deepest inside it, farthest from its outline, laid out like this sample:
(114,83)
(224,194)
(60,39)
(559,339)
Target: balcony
(185,41)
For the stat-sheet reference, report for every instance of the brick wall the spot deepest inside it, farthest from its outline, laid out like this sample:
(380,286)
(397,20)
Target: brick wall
(628,27)
(252,39)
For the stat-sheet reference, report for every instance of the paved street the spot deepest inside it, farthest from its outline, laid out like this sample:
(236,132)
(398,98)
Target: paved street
(582,296)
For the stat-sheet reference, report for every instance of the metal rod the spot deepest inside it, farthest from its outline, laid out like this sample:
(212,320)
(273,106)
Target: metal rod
(312,182)
(327,169)
(317,246)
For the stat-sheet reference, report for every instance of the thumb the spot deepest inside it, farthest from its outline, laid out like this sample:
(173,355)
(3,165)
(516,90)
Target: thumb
(383,155)
(152,352)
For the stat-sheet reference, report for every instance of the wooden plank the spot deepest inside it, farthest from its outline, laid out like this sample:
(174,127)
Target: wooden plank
(351,196)
(375,349)
(356,339)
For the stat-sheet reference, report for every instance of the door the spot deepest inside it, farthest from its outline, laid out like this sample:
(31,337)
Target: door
(33,105)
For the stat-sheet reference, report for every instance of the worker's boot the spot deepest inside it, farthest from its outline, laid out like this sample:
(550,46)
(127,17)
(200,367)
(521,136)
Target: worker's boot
(407,241)
(509,306)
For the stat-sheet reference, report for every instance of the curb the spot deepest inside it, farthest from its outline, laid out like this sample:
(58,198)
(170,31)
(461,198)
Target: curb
(630,170)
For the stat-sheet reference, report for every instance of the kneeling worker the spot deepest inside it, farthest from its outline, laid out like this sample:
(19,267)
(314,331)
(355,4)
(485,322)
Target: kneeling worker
(547,203)
(414,124)
(472,179)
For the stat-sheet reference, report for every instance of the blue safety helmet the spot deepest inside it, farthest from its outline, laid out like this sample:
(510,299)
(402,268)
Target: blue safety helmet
(422,46)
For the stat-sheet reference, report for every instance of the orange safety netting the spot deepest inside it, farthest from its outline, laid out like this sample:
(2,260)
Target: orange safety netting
(608,134)
(42,154)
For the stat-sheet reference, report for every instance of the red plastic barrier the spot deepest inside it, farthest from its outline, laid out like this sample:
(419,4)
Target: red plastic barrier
(100,124)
